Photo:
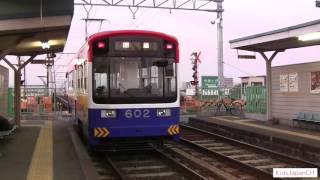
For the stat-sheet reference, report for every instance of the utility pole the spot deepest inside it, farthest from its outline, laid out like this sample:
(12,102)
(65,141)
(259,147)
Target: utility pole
(220,47)
(50,78)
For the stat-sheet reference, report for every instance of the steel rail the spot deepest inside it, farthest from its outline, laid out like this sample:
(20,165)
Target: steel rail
(262,174)
(193,174)
(115,168)
(169,161)
(285,158)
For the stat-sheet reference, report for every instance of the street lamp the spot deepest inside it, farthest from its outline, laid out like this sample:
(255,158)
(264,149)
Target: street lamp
(309,37)
(45,44)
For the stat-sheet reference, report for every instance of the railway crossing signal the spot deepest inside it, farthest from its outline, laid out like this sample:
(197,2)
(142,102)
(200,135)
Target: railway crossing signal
(195,61)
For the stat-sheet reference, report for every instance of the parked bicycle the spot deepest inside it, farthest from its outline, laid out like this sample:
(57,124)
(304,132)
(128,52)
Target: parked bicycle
(235,107)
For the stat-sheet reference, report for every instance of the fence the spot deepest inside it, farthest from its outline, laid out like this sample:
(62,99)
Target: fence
(34,101)
(256,99)
(254,96)
(213,93)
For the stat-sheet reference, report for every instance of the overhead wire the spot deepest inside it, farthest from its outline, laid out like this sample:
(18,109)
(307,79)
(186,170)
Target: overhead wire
(234,67)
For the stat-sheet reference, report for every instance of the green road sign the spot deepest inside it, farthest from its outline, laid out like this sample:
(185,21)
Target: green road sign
(209,81)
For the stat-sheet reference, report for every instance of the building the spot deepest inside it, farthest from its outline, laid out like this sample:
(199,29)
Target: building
(248,81)
(4,83)
(295,88)
(228,82)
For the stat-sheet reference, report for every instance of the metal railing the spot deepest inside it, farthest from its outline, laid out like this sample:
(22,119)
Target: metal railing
(35,100)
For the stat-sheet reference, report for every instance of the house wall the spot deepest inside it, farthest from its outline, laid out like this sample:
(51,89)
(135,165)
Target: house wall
(287,105)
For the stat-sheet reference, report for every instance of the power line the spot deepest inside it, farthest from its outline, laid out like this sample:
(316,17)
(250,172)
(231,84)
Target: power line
(234,67)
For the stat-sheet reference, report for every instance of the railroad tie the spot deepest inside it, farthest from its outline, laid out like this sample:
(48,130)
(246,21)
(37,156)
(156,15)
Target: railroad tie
(217,172)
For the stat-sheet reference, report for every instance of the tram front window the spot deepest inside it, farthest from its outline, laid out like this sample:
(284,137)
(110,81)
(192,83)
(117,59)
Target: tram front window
(134,80)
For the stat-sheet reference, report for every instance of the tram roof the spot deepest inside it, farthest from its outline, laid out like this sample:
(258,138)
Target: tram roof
(280,39)
(132,32)
(25,22)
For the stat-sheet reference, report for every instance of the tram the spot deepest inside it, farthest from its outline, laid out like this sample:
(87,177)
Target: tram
(123,85)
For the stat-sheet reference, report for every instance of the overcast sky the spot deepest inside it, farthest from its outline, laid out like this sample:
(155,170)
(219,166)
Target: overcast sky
(196,33)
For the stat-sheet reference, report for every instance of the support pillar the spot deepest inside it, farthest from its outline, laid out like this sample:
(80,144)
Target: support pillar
(268,82)
(17,87)
(17,97)
(17,79)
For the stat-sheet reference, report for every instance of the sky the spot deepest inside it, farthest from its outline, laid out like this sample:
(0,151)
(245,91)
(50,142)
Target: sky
(196,33)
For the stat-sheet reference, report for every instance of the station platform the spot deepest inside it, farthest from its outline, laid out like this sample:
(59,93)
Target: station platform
(292,134)
(41,149)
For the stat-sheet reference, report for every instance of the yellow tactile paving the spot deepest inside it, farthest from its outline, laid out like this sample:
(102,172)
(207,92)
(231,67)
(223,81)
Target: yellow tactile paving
(41,167)
(271,129)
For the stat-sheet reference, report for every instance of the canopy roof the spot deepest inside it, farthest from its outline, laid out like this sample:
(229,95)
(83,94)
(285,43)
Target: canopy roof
(24,25)
(278,40)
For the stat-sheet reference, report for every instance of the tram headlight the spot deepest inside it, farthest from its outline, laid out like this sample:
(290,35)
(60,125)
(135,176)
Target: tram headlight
(163,112)
(109,113)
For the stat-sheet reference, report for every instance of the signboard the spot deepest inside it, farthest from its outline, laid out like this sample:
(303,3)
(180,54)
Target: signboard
(284,83)
(315,82)
(293,82)
(289,82)
(209,82)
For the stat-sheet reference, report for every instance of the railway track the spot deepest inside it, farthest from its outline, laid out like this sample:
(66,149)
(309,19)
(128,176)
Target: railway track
(175,161)
(211,167)
(142,165)
(198,155)
(248,157)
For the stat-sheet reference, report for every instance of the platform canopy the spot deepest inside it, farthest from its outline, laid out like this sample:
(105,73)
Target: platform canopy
(24,25)
(301,35)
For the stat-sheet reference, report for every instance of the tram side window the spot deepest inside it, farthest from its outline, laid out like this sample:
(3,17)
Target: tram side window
(73,79)
(78,77)
(85,76)
(70,78)
(81,76)
(101,78)
(68,82)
